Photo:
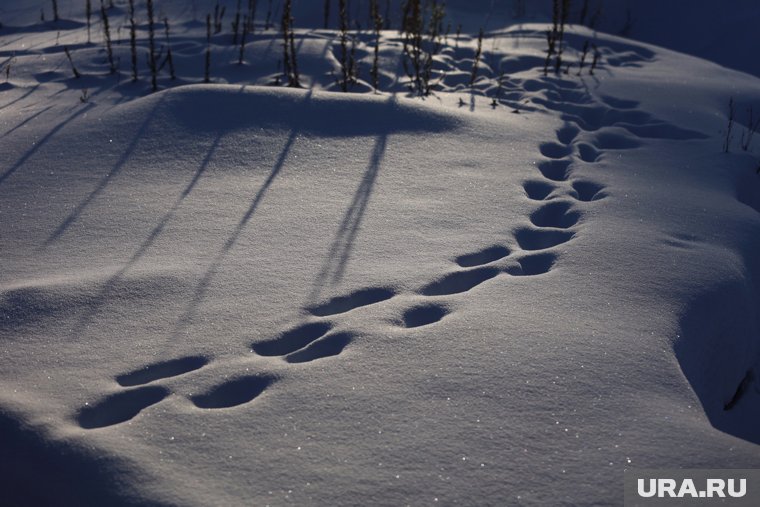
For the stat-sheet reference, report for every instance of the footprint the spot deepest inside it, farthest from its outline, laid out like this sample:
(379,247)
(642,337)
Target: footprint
(485,256)
(567,134)
(164,369)
(555,170)
(556,214)
(588,153)
(292,340)
(537,190)
(555,150)
(304,343)
(540,239)
(234,392)
(424,315)
(343,304)
(587,191)
(459,281)
(532,265)
(120,407)
(330,345)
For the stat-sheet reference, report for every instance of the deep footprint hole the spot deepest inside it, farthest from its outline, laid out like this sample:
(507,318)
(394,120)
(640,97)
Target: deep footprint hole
(533,265)
(292,340)
(485,256)
(234,392)
(558,215)
(424,315)
(555,170)
(567,134)
(588,153)
(343,304)
(165,369)
(588,191)
(555,150)
(540,239)
(120,407)
(330,345)
(460,281)
(537,190)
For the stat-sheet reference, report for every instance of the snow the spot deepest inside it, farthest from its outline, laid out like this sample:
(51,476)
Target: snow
(234,293)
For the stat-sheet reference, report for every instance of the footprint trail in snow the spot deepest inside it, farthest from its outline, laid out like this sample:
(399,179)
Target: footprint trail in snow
(592,127)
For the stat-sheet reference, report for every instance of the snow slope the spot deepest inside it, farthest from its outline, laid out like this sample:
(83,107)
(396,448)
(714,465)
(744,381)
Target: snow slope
(230,293)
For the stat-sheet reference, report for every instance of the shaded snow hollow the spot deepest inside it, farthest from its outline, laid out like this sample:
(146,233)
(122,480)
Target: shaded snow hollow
(233,293)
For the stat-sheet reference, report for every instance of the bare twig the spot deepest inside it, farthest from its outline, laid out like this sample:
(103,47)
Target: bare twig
(727,141)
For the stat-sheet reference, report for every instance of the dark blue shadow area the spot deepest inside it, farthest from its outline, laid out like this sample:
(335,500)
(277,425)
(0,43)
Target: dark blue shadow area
(323,114)
(37,470)
(718,330)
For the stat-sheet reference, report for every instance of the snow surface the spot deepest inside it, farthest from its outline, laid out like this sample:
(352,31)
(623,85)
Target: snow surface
(240,294)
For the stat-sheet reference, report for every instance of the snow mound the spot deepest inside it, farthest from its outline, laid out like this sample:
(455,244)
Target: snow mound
(218,108)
